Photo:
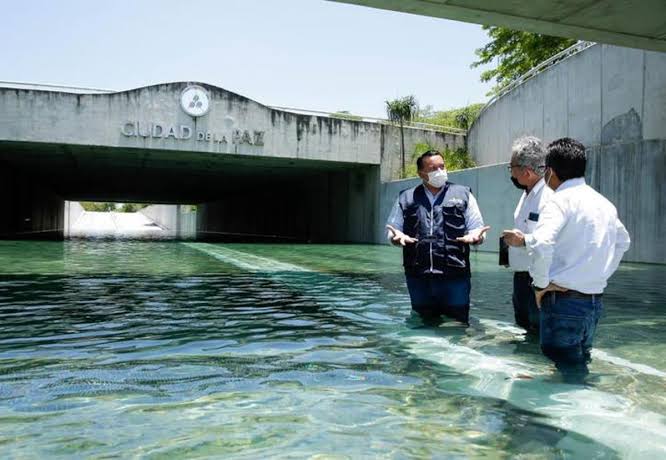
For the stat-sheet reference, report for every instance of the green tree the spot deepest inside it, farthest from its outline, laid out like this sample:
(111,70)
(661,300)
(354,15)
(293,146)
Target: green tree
(96,206)
(462,117)
(458,158)
(399,111)
(131,207)
(454,160)
(127,207)
(516,53)
(346,115)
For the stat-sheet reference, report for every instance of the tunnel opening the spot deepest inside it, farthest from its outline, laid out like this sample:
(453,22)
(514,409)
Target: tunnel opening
(120,221)
(235,198)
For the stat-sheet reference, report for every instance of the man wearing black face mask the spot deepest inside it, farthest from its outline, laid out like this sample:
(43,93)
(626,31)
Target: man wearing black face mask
(577,245)
(526,169)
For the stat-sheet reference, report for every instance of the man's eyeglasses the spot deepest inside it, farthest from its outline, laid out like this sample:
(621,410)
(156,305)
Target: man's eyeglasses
(510,167)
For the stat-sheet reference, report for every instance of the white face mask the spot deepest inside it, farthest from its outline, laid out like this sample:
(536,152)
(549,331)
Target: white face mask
(438,178)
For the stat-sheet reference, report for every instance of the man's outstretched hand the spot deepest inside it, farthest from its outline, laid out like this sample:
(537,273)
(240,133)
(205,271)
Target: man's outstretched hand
(398,238)
(475,236)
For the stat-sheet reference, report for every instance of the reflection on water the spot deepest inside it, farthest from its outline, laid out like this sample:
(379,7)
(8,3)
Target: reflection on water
(195,350)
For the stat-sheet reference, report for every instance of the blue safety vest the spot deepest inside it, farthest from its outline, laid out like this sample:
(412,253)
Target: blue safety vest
(436,228)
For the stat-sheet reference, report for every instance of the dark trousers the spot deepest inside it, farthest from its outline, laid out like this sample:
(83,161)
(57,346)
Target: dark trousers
(525,309)
(568,325)
(434,296)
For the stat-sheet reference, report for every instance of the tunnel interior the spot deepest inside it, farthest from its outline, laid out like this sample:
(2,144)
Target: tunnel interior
(238,197)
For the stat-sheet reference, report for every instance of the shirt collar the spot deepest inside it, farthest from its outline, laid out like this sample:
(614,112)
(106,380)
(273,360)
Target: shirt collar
(537,187)
(427,190)
(570,183)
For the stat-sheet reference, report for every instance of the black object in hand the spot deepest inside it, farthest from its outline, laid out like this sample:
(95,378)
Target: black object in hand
(503,252)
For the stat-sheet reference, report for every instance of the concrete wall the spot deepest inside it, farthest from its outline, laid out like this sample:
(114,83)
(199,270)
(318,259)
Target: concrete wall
(600,96)
(73,210)
(328,207)
(632,176)
(30,209)
(178,220)
(105,120)
(614,101)
(100,119)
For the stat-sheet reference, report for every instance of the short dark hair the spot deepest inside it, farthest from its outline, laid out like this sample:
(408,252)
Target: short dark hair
(429,153)
(566,157)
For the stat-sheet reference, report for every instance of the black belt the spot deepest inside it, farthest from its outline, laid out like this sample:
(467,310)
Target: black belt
(574,294)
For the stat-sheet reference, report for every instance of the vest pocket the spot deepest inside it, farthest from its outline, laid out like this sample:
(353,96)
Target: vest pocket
(454,227)
(410,219)
(456,255)
(454,222)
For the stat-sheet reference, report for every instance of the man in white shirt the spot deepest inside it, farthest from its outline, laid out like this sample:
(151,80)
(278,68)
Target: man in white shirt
(577,245)
(435,222)
(528,157)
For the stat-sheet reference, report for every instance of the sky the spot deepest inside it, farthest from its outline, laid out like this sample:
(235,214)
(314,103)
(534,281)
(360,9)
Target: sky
(308,54)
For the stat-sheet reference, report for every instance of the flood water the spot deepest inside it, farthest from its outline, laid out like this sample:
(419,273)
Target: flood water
(172,350)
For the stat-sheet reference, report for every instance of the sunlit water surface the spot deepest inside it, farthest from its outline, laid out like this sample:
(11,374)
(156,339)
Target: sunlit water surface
(172,350)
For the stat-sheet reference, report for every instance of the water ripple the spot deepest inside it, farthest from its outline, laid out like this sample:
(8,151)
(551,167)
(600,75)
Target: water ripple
(159,350)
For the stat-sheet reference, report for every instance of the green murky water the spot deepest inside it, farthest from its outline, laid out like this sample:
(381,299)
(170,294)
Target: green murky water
(174,350)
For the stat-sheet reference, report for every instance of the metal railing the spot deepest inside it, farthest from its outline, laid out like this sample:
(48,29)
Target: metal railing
(48,87)
(536,70)
(385,121)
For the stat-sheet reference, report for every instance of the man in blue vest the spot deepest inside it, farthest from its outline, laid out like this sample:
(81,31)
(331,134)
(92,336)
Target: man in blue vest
(435,222)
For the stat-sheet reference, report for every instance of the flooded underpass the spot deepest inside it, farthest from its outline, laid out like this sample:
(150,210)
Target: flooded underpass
(189,349)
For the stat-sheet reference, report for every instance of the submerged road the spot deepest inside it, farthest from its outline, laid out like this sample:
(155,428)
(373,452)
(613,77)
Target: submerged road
(283,350)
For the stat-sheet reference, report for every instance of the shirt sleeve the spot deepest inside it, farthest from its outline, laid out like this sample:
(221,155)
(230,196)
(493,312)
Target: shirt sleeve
(541,243)
(622,243)
(473,218)
(396,219)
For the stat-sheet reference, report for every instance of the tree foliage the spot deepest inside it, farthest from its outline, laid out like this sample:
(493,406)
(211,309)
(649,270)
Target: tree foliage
(346,115)
(97,206)
(462,117)
(458,158)
(131,207)
(400,111)
(516,52)
(454,159)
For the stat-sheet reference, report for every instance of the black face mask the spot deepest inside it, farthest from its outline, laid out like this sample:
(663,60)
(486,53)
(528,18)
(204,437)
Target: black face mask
(518,184)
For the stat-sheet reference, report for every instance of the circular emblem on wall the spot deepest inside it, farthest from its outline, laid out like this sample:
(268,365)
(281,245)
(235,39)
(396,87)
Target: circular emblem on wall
(195,101)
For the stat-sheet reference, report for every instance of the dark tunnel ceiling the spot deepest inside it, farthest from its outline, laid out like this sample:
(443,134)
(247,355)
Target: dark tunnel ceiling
(116,174)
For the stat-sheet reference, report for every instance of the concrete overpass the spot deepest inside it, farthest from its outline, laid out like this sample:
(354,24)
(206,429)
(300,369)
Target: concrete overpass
(252,168)
(629,23)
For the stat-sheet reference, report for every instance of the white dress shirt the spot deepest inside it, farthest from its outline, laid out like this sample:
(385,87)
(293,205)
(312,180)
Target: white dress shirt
(578,242)
(525,219)
(473,218)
